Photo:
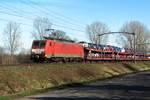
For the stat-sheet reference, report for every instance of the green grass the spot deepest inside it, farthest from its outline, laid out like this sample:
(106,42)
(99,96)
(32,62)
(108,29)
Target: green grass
(18,81)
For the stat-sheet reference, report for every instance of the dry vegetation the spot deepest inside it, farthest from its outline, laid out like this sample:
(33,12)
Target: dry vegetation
(6,59)
(19,79)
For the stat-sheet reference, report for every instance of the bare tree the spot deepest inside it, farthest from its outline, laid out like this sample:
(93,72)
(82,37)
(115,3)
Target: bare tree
(12,37)
(39,27)
(94,30)
(58,34)
(141,35)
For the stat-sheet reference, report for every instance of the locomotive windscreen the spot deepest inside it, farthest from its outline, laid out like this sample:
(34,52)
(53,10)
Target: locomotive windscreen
(38,44)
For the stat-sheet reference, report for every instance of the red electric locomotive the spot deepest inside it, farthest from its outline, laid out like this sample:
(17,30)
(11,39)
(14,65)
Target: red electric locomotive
(56,50)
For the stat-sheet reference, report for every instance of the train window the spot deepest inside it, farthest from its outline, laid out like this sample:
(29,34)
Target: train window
(42,44)
(35,44)
(38,44)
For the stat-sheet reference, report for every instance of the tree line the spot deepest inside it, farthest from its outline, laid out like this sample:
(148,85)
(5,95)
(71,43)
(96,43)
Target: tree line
(142,35)
(12,37)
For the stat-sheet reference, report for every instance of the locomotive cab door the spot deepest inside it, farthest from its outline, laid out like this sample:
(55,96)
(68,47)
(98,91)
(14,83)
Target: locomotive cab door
(49,49)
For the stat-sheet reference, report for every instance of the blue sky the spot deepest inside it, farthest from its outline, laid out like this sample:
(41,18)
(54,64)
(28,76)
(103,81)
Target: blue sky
(74,14)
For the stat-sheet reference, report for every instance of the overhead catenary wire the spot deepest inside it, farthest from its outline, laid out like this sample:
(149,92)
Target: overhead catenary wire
(67,27)
(15,11)
(58,14)
(6,20)
(46,11)
(31,19)
(16,15)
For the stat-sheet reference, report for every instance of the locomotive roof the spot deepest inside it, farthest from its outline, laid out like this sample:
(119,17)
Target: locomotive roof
(62,40)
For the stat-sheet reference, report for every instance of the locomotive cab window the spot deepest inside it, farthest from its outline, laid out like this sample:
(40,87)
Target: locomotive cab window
(42,44)
(38,44)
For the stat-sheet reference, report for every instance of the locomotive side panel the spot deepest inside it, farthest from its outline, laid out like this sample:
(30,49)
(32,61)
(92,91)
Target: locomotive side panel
(66,50)
(49,48)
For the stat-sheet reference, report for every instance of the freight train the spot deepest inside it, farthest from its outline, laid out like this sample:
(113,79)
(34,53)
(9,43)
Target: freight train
(56,50)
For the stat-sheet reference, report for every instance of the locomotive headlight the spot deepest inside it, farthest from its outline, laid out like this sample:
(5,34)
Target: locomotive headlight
(37,51)
(32,50)
(46,56)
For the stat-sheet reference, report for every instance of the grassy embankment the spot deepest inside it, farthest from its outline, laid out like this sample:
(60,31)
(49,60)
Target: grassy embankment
(26,80)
